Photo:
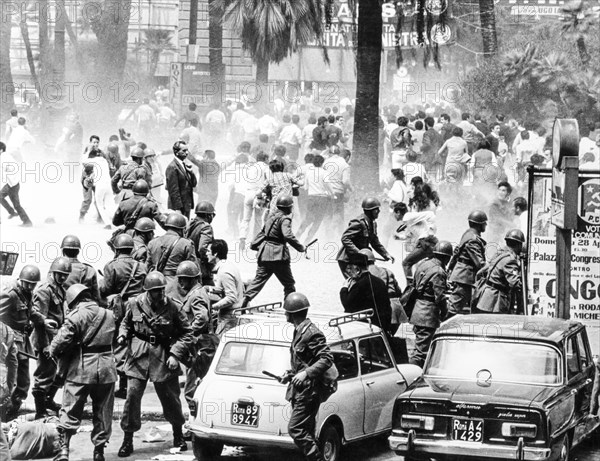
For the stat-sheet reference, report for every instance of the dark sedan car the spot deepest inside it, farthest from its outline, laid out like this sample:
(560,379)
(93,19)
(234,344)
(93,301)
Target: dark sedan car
(499,387)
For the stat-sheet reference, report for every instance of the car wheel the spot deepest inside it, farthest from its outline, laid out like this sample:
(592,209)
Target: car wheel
(206,450)
(330,443)
(563,449)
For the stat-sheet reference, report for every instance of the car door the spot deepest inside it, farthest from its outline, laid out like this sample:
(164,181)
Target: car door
(380,382)
(580,383)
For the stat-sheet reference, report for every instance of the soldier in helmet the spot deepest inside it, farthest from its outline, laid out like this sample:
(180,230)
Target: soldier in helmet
(158,336)
(127,175)
(468,258)
(273,254)
(362,233)
(48,302)
(167,251)
(80,272)
(431,283)
(200,232)
(123,276)
(16,312)
(84,345)
(139,205)
(181,181)
(9,364)
(502,289)
(113,157)
(310,360)
(189,291)
(143,232)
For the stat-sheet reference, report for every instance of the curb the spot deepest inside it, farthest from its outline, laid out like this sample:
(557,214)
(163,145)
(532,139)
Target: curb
(148,413)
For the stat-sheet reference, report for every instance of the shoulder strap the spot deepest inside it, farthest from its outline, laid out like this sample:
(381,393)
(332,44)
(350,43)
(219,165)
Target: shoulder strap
(166,255)
(98,321)
(496,262)
(135,266)
(425,281)
(136,213)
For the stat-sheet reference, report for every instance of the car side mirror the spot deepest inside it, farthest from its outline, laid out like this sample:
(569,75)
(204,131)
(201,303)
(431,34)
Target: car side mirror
(410,372)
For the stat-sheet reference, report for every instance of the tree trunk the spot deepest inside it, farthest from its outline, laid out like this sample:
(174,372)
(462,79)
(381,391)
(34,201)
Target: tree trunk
(59,47)
(72,36)
(6,80)
(215,50)
(488,27)
(193,21)
(43,29)
(262,79)
(365,158)
(30,61)
(154,58)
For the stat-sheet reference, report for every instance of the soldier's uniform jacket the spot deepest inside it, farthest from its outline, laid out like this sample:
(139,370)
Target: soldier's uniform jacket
(361,233)
(201,233)
(134,207)
(277,233)
(182,251)
(84,342)
(17,314)
(468,258)
(196,305)
(86,275)
(503,284)
(49,302)
(140,250)
(128,174)
(309,352)
(431,282)
(388,278)
(8,362)
(368,292)
(152,339)
(116,274)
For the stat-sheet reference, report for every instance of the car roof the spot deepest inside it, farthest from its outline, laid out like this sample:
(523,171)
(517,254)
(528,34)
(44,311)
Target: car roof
(530,328)
(272,327)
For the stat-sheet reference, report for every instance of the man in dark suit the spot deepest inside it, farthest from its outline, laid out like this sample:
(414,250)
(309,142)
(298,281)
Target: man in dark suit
(181,181)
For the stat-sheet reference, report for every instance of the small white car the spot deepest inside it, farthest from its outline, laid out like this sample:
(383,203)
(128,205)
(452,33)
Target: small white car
(238,405)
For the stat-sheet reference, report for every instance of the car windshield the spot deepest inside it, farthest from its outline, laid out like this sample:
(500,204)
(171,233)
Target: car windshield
(494,361)
(250,359)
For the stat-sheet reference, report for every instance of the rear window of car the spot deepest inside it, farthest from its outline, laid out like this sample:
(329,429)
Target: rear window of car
(506,361)
(250,359)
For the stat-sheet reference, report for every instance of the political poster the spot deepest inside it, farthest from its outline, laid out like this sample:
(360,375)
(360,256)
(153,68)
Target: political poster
(585,255)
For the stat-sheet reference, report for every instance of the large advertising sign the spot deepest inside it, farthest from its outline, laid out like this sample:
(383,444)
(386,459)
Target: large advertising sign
(190,82)
(585,251)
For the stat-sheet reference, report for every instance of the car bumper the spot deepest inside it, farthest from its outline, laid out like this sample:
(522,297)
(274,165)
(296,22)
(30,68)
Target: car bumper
(403,444)
(236,437)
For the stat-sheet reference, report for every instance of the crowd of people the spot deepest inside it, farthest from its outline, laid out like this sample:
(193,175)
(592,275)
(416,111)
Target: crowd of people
(165,300)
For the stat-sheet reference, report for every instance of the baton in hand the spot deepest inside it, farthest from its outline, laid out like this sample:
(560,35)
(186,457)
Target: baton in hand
(306,247)
(272,375)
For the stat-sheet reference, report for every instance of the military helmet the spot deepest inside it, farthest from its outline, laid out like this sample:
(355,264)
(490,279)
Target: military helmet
(285,201)
(113,147)
(369,254)
(61,265)
(30,273)
(515,235)
(154,280)
(123,241)
(137,152)
(176,221)
(74,292)
(477,217)
(188,269)
(371,203)
(443,248)
(295,302)
(144,225)
(140,187)
(71,242)
(149,152)
(205,207)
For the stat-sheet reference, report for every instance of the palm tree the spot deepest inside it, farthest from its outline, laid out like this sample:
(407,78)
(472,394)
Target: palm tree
(488,27)
(271,30)
(365,162)
(215,49)
(578,21)
(155,42)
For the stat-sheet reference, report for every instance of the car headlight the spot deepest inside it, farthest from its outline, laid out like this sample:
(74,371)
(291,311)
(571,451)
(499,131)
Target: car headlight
(417,422)
(519,430)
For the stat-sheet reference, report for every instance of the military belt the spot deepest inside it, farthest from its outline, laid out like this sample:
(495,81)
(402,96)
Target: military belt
(96,349)
(153,340)
(497,286)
